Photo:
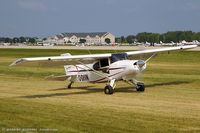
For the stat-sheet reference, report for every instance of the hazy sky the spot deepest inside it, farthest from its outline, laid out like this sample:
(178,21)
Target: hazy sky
(120,17)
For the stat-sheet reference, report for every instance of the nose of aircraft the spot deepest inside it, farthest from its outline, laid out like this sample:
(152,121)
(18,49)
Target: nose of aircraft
(141,63)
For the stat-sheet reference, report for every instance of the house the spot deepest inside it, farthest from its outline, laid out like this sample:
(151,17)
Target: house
(88,38)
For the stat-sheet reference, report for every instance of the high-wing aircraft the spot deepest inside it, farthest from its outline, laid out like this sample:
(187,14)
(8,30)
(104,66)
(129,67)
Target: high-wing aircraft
(96,68)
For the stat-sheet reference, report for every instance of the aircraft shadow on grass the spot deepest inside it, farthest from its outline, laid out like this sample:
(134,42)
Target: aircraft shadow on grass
(92,89)
(150,86)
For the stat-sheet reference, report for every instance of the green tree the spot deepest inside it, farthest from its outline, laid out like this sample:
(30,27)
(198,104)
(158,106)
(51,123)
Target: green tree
(8,40)
(141,37)
(130,39)
(15,40)
(22,39)
(188,35)
(118,40)
(196,36)
(32,40)
(2,39)
(170,36)
(82,41)
(148,37)
(123,39)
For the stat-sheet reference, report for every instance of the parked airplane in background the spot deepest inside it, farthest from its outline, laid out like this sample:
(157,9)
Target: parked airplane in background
(168,44)
(194,42)
(6,44)
(97,68)
(147,44)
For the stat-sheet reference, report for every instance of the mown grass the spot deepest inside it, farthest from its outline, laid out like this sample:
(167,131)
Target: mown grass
(171,102)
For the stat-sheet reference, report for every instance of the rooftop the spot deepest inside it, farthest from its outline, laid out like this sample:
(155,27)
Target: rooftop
(91,34)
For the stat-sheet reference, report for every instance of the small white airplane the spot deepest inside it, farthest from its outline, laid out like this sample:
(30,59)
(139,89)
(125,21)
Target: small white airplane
(96,68)
(168,44)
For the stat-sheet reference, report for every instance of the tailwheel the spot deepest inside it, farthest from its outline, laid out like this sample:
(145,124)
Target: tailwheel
(108,90)
(140,87)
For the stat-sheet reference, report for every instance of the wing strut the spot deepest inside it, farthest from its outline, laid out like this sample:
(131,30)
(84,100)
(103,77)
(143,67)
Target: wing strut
(150,57)
(98,73)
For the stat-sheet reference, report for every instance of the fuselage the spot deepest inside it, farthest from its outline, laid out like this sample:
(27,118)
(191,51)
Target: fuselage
(122,69)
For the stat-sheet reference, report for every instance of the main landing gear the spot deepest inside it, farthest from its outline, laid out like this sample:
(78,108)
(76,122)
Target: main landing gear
(109,88)
(140,87)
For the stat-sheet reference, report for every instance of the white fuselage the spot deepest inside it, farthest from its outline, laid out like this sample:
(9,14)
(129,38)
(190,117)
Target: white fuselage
(123,69)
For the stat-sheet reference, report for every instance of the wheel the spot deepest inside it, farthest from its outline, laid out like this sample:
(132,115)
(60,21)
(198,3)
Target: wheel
(108,90)
(140,87)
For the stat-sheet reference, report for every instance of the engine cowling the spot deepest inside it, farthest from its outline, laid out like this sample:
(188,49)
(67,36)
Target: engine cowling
(141,65)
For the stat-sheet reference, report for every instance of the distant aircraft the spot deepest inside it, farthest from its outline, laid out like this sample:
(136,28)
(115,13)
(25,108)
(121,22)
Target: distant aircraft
(6,44)
(194,42)
(96,68)
(168,44)
(147,44)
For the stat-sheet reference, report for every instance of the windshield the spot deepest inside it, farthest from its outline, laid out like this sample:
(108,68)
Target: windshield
(118,56)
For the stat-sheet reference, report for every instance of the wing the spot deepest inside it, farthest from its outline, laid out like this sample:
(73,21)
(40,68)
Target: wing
(57,78)
(75,59)
(160,50)
(62,60)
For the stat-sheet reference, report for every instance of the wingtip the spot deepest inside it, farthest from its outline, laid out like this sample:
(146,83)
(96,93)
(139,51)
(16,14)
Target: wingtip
(188,46)
(18,61)
(12,64)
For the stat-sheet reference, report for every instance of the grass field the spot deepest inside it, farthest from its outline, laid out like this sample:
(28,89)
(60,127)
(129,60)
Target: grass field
(171,102)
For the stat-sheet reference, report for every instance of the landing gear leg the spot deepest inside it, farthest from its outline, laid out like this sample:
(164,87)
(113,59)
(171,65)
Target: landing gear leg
(72,79)
(70,85)
(109,88)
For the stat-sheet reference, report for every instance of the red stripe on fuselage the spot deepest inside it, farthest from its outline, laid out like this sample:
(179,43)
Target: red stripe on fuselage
(98,70)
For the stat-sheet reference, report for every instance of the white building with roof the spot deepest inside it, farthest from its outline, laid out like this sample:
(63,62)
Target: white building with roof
(89,38)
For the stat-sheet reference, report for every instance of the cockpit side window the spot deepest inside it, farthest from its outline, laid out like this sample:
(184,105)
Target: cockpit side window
(101,64)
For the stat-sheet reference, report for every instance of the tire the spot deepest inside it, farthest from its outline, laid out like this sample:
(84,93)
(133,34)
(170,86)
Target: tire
(140,87)
(108,90)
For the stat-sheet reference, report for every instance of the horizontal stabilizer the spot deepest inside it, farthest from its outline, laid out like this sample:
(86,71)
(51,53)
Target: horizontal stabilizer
(66,54)
(57,78)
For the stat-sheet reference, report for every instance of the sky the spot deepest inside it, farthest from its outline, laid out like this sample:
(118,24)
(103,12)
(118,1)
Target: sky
(43,18)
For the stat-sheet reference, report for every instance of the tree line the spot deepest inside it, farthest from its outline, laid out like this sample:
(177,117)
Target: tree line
(175,36)
(18,40)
